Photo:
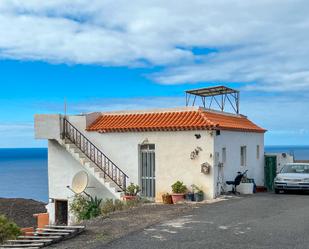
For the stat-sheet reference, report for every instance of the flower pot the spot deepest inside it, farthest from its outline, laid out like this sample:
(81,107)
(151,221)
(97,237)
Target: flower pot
(199,197)
(167,199)
(189,197)
(129,197)
(177,197)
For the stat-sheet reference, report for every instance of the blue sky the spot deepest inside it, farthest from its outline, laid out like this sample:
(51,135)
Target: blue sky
(109,55)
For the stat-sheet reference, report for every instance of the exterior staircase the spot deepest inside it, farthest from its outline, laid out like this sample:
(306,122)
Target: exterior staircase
(44,237)
(93,159)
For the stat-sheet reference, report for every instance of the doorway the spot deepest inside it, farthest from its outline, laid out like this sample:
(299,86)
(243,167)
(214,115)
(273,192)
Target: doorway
(61,212)
(147,170)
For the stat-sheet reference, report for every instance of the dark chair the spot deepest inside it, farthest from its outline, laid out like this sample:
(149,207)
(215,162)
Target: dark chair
(236,182)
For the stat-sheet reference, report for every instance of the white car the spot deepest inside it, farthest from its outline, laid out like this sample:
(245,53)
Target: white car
(293,176)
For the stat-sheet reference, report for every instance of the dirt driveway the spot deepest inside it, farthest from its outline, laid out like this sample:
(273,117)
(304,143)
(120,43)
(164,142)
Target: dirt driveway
(261,221)
(101,231)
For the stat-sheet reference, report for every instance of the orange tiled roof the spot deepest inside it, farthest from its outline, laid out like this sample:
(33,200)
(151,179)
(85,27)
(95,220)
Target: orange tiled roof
(198,119)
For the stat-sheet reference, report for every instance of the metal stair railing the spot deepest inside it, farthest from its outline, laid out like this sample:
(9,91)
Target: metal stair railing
(106,165)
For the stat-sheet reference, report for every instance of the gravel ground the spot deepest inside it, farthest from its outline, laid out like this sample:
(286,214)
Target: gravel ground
(101,231)
(21,210)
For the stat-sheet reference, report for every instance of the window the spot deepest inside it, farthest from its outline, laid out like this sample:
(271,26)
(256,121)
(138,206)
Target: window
(257,152)
(243,155)
(223,155)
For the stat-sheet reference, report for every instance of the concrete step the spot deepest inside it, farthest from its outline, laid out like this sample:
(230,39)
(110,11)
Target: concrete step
(65,227)
(29,241)
(31,247)
(1,247)
(39,237)
(97,169)
(38,245)
(50,234)
(93,168)
(85,160)
(55,230)
(107,179)
(90,164)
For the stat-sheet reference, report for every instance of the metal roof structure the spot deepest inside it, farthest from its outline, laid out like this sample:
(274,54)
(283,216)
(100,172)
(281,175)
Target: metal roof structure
(219,95)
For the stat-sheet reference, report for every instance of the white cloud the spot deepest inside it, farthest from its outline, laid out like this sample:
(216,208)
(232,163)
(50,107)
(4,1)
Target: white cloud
(4,127)
(18,134)
(261,43)
(125,104)
(284,116)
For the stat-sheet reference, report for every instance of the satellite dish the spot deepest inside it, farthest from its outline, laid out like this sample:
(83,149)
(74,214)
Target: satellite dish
(80,182)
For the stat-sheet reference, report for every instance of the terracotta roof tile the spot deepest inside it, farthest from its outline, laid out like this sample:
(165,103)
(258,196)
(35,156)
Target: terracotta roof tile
(198,119)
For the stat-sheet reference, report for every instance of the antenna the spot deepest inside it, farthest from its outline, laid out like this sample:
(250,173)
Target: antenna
(65,106)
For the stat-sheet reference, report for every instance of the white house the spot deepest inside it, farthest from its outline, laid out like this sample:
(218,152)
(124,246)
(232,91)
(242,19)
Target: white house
(152,148)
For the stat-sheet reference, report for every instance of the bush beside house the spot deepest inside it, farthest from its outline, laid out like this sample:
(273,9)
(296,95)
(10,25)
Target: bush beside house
(8,229)
(85,208)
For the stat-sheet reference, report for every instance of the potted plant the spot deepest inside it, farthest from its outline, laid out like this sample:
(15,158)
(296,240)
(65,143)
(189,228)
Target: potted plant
(131,192)
(190,195)
(167,198)
(198,193)
(179,190)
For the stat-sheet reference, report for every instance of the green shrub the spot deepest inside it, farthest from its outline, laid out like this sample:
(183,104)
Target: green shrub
(93,207)
(8,229)
(85,208)
(132,203)
(132,190)
(179,188)
(107,206)
(136,202)
(78,206)
(119,205)
(144,200)
(196,189)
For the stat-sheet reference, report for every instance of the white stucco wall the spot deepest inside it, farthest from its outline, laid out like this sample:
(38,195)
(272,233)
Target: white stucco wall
(232,141)
(47,126)
(172,155)
(172,158)
(172,161)
(61,169)
(172,150)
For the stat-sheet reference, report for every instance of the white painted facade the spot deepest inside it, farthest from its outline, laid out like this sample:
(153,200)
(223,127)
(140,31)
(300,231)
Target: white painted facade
(232,141)
(172,157)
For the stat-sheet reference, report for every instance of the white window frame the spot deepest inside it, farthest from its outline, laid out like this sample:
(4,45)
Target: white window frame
(243,156)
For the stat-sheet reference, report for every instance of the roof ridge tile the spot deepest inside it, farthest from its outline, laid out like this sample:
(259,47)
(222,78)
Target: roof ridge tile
(172,120)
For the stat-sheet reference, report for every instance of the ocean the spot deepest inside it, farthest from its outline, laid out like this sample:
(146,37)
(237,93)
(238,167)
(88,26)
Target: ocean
(23,172)
(299,152)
